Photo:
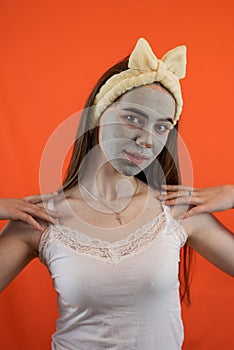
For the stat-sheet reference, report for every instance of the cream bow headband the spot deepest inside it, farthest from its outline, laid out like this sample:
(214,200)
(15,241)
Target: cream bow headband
(145,68)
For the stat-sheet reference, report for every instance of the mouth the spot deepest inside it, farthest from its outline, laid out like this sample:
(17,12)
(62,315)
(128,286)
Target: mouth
(136,158)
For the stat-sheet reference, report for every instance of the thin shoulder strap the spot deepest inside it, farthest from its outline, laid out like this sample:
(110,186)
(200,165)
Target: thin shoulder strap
(166,208)
(51,206)
(178,228)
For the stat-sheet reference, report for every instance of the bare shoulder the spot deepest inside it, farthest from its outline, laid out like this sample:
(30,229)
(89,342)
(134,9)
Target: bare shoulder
(23,232)
(210,238)
(197,223)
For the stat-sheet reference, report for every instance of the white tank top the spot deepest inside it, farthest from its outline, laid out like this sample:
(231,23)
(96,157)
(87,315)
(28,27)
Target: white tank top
(116,296)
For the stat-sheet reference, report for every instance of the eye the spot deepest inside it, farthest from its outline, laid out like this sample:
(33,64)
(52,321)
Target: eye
(133,120)
(162,128)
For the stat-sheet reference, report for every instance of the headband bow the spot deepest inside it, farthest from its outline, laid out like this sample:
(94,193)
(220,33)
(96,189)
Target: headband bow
(145,68)
(142,58)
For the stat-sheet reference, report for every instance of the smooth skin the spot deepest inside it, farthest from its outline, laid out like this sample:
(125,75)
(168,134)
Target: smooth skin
(19,242)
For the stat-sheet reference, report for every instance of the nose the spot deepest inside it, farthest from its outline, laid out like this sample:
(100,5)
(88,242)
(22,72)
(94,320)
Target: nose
(145,145)
(145,139)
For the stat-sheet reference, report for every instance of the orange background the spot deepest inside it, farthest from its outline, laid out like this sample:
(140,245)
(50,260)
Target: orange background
(52,52)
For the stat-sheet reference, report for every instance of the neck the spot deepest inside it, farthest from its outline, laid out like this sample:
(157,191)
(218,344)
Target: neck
(104,181)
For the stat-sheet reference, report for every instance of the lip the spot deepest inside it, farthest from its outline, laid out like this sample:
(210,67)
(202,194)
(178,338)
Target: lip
(136,158)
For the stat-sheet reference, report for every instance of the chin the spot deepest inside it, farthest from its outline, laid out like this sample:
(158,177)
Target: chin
(130,173)
(127,168)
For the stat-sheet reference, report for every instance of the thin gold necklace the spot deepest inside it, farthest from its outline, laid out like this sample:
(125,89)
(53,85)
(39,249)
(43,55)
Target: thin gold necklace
(118,214)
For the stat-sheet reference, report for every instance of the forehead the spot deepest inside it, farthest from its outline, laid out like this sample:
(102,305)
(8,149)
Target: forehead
(152,98)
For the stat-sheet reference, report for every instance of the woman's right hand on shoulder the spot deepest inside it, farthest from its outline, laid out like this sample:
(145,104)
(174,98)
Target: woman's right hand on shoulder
(27,209)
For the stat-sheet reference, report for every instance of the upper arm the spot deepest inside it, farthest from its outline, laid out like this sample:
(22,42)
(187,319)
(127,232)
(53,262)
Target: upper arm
(212,240)
(18,246)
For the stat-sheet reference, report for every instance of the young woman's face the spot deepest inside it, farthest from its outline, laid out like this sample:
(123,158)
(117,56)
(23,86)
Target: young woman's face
(134,130)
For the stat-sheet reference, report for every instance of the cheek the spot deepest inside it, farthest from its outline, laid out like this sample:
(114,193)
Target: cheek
(114,132)
(158,144)
(112,139)
(108,132)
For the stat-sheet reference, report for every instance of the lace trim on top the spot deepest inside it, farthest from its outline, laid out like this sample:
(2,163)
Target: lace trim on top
(112,252)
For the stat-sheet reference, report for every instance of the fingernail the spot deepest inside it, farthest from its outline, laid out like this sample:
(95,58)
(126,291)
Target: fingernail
(52,220)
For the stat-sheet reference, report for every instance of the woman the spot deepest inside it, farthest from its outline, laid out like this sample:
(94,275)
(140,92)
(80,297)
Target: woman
(114,254)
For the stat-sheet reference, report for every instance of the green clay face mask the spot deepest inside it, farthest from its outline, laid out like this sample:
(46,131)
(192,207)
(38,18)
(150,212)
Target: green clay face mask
(134,130)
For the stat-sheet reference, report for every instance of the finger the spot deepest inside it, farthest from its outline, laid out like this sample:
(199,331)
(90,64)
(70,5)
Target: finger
(182,201)
(42,214)
(36,198)
(36,209)
(54,213)
(177,188)
(38,212)
(174,195)
(194,211)
(31,221)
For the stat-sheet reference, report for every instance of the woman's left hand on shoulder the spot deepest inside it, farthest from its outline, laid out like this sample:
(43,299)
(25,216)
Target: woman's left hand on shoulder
(203,200)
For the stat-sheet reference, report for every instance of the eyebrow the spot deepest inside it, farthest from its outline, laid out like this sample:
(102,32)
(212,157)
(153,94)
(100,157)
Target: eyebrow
(145,115)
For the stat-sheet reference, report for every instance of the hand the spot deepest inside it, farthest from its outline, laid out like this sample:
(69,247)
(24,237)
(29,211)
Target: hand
(26,209)
(209,199)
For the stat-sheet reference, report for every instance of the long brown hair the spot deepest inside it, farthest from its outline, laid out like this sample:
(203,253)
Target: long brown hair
(165,168)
